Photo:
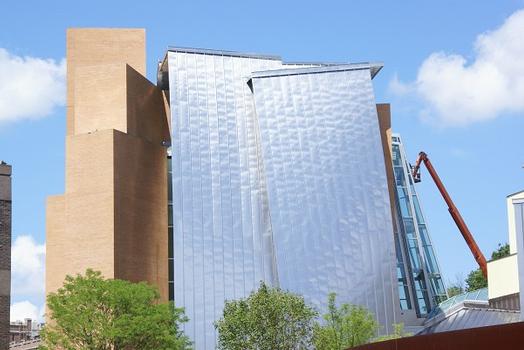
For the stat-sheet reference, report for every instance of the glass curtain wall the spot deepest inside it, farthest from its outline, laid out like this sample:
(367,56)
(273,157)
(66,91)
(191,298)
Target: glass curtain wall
(414,248)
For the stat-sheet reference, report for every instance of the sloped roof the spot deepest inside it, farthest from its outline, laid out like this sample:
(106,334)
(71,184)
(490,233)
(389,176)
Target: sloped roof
(479,295)
(468,314)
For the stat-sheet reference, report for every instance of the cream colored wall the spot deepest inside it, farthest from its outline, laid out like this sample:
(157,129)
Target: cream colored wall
(511,221)
(503,277)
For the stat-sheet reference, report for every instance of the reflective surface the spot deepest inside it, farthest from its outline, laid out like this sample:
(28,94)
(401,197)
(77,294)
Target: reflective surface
(294,195)
(328,194)
(222,239)
(425,281)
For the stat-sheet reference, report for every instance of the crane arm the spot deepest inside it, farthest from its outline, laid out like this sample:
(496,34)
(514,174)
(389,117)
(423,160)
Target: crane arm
(459,221)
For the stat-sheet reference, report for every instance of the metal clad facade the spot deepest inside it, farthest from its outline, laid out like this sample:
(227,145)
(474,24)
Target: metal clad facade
(222,234)
(292,192)
(327,187)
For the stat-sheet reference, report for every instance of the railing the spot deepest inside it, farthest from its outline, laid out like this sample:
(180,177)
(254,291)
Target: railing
(25,345)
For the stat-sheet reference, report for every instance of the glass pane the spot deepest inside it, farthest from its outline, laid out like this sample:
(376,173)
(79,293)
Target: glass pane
(171,291)
(170,242)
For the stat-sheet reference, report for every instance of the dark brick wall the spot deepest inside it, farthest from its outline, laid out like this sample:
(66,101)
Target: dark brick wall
(4,322)
(5,235)
(5,264)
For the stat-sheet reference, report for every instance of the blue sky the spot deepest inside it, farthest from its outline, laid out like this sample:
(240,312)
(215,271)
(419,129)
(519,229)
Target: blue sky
(454,94)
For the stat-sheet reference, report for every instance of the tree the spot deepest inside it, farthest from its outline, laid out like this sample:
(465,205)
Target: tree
(90,312)
(457,287)
(476,279)
(269,319)
(454,290)
(501,252)
(398,332)
(345,326)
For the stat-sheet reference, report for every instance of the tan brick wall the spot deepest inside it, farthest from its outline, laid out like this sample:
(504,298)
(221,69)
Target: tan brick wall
(141,211)
(113,215)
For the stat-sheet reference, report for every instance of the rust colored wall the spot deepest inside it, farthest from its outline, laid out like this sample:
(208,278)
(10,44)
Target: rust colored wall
(508,336)
(384,121)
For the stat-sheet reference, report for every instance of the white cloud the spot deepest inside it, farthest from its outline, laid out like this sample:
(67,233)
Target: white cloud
(30,87)
(458,92)
(27,268)
(25,309)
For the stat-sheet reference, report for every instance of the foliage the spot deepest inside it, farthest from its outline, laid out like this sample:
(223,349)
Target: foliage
(476,279)
(345,326)
(501,252)
(454,290)
(398,332)
(268,319)
(90,312)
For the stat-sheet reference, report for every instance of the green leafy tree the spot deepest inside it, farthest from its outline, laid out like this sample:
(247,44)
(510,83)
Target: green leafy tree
(90,312)
(501,252)
(269,319)
(345,326)
(398,332)
(454,290)
(476,279)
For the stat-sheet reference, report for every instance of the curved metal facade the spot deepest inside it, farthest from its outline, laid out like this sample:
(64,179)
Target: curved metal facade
(327,187)
(277,177)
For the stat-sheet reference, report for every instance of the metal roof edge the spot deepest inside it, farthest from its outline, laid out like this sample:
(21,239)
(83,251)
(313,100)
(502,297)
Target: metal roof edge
(374,68)
(515,193)
(201,51)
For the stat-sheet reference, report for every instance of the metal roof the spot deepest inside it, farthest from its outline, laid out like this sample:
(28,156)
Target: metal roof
(466,310)
(470,316)
(374,67)
(473,296)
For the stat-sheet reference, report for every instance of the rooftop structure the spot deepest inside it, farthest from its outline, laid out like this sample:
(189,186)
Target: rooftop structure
(467,310)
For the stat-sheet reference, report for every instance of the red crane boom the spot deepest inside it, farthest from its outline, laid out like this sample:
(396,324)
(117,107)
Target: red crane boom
(463,228)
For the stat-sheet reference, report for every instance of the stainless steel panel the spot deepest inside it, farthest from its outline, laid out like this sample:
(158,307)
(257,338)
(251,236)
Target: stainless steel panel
(222,233)
(327,187)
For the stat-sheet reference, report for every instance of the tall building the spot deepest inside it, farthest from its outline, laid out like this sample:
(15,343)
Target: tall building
(113,214)
(420,283)
(5,253)
(276,172)
(278,176)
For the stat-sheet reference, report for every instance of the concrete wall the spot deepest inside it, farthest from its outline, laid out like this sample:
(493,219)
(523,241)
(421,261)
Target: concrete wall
(503,277)
(113,215)
(511,220)
(5,253)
